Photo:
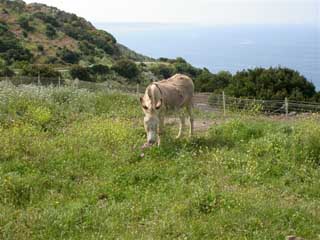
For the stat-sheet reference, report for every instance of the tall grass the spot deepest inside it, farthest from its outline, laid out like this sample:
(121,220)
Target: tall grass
(71,167)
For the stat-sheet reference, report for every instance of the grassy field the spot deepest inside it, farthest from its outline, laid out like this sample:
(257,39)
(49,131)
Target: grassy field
(71,168)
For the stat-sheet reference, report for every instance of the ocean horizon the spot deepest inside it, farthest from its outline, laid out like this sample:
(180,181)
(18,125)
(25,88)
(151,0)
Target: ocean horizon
(226,47)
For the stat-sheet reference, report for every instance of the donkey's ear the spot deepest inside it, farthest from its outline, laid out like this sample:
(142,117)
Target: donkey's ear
(159,103)
(142,103)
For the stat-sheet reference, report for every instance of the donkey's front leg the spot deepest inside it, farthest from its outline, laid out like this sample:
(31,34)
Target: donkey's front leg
(160,129)
(182,126)
(190,113)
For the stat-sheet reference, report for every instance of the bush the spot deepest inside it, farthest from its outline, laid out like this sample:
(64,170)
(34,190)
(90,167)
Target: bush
(100,39)
(99,69)
(271,83)
(47,19)
(205,82)
(44,71)
(3,28)
(69,56)
(40,48)
(126,68)
(50,32)
(10,47)
(16,54)
(6,72)
(52,60)
(25,34)
(23,21)
(81,73)
(86,48)
(162,70)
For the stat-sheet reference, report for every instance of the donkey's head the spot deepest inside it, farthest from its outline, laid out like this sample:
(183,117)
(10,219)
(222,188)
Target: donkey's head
(151,103)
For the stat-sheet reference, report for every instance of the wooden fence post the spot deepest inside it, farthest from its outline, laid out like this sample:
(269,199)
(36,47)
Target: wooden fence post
(39,81)
(224,103)
(59,81)
(286,105)
(138,89)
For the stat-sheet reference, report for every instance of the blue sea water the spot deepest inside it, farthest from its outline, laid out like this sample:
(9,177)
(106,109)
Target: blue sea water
(231,48)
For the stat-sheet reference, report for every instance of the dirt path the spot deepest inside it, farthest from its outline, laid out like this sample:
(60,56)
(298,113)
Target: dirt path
(200,125)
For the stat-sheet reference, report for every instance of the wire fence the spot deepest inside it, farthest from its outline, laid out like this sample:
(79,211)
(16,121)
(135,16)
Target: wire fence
(208,102)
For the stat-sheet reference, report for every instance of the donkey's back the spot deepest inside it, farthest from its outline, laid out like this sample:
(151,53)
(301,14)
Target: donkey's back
(177,91)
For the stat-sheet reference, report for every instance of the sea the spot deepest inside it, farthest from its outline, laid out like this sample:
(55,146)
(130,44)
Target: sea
(226,47)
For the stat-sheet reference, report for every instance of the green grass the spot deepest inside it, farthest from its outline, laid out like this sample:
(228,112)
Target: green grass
(71,168)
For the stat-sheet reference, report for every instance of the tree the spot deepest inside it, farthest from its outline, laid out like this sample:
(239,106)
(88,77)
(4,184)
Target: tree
(47,19)
(86,47)
(81,73)
(16,53)
(99,69)
(6,72)
(222,79)
(43,70)
(50,32)
(204,82)
(162,70)
(69,56)
(126,68)
(180,60)
(40,48)
(23,21)
(271,83)
(3,28)
(183,67)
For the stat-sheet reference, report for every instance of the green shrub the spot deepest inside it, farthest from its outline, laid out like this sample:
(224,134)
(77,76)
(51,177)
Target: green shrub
(82,73)
(40,48)
(126,68)
(162,71)
(69,56)
(52,60)
(12,51)
(271,83)
(6,72)
(50,32)
(186,68)
(43,70)
(99,69)
(3,28)
(23,21)
(86,47)
(48,19)
(17,54)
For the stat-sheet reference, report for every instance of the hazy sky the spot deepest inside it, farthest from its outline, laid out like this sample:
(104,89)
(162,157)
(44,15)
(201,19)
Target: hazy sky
(209,12)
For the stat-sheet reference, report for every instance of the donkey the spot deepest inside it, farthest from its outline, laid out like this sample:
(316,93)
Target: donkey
(170,95)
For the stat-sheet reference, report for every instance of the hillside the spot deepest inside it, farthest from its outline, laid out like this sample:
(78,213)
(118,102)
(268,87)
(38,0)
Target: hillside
(40,34)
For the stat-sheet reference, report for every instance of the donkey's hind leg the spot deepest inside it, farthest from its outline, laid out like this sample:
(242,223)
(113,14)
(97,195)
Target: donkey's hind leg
(190,113)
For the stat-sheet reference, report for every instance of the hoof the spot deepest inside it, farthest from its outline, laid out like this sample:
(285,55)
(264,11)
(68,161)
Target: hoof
(146,145)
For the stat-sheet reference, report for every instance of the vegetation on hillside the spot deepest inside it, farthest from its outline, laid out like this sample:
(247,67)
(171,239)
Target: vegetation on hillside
(71,168)
(63,36)
(36,36)
(260,83)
